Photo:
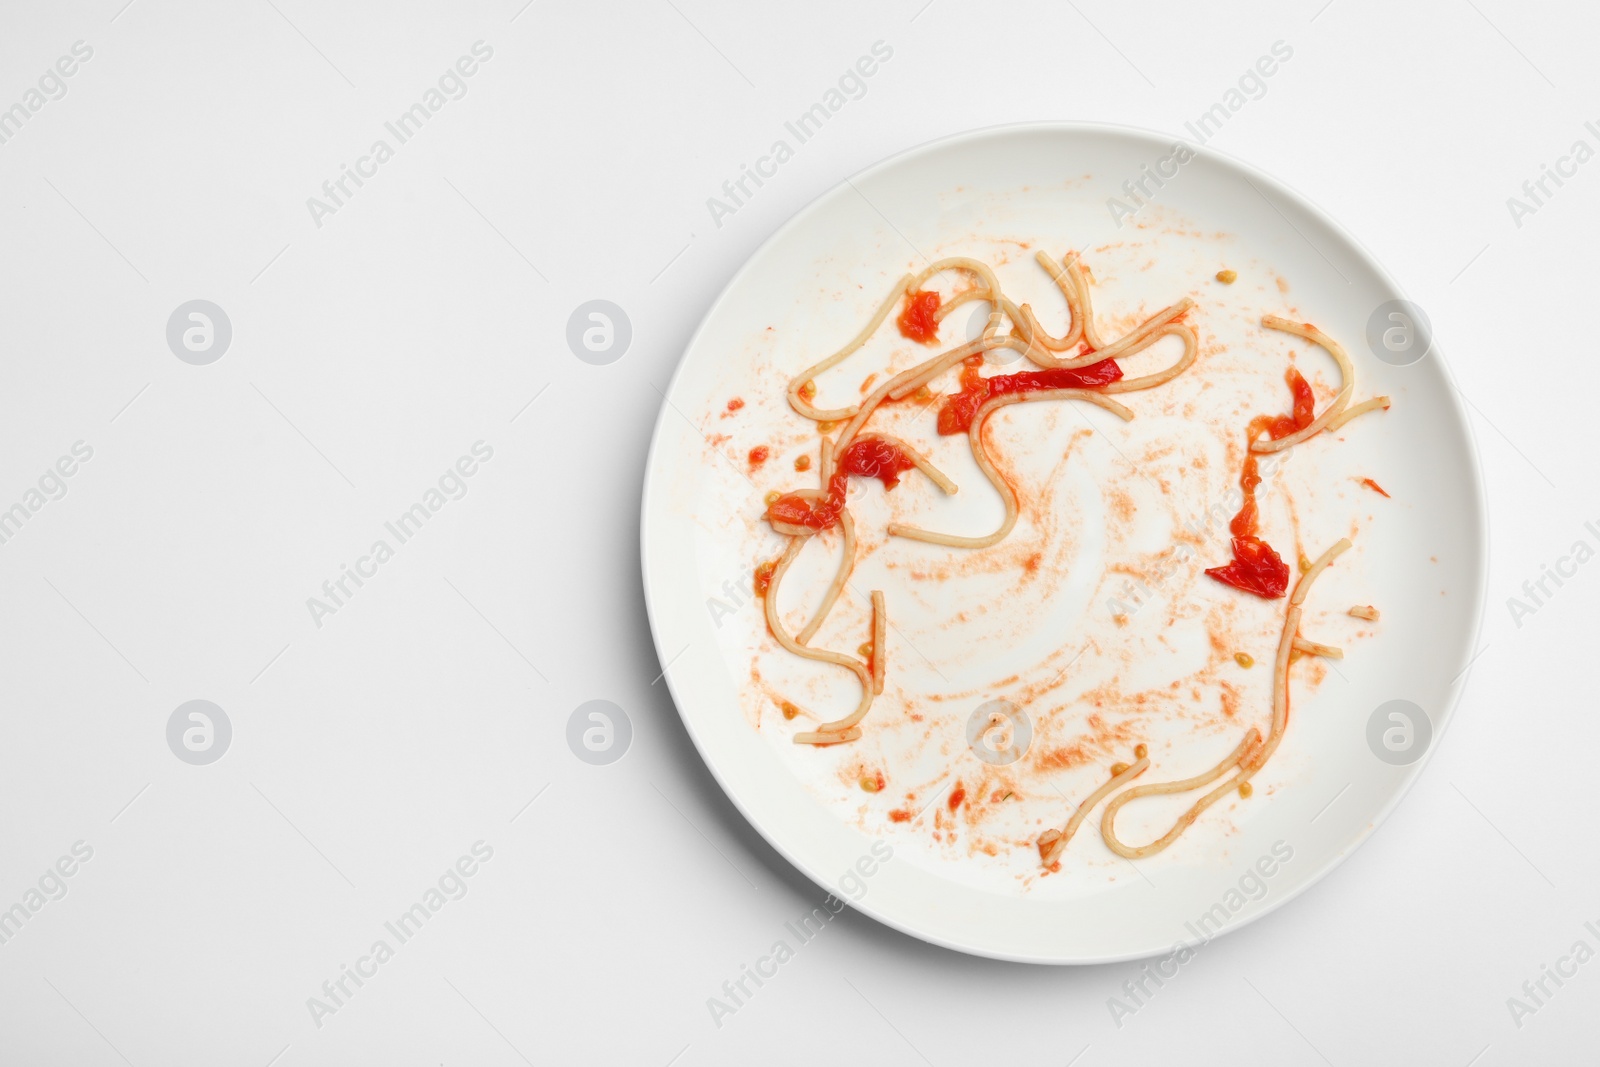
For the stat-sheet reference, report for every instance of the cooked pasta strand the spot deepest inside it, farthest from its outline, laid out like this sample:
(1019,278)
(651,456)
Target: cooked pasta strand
(1377,403)
(1312,648)
(847,562)
(1008,497)
(803,406)
(781,635)
(880,646)
(1347,385)
(1051,842)
(1108,819)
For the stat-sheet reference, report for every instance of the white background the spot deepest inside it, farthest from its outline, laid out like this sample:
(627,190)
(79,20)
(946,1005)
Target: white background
(371,352)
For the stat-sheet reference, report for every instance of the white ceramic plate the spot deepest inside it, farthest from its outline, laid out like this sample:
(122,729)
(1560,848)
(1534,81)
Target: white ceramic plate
(1105,507)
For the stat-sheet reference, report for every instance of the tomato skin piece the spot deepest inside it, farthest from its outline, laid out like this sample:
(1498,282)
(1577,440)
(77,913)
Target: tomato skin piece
(1255,568)
(961,408)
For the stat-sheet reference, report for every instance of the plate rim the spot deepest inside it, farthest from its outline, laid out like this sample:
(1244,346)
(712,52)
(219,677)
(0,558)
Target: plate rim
(1478,486)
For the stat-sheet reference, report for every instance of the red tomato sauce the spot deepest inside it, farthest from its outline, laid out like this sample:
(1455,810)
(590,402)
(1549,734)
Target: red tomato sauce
(874,457)
(960,408)
(868,457)
(792,509)
(758,456)
(919,321)
(1256,567)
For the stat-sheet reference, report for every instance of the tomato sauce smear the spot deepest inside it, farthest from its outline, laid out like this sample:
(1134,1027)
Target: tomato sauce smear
(960,408)
(1256,567)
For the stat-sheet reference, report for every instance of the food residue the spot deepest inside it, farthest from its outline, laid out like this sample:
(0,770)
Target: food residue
(919,321)
(1256,567)
(866,457)
(959,408)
